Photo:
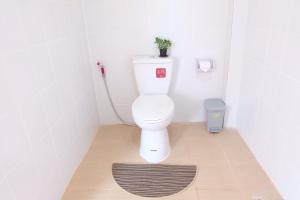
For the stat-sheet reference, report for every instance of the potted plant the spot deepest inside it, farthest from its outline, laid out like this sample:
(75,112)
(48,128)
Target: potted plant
(163,45)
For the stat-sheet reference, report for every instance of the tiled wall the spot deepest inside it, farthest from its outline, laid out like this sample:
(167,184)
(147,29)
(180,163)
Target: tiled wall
(268,116)
(118,30)
(48,111)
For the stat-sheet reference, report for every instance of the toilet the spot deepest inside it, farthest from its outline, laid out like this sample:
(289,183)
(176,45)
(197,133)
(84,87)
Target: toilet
(153,109)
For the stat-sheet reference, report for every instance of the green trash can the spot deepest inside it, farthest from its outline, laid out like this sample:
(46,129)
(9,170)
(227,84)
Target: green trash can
(215,112)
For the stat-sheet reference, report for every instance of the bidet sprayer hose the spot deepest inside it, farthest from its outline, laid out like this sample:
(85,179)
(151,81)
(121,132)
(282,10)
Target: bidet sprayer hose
(102,69)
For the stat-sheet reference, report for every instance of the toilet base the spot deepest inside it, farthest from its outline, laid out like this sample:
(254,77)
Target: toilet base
(155,146)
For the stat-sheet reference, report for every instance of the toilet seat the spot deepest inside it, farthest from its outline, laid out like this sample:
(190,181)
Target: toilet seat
(152,109)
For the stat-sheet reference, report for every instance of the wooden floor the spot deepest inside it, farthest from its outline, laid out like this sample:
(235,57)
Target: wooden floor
(227,170)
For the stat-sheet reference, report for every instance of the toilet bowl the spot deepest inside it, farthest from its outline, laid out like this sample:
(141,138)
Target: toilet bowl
(153,113)
(153,109)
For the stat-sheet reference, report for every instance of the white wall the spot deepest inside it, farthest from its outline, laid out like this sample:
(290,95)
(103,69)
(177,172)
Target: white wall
(236,59)
(268,112)
(48,111)
(118,30)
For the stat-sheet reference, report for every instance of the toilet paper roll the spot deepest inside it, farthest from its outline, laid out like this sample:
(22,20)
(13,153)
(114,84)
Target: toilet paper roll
(205,65)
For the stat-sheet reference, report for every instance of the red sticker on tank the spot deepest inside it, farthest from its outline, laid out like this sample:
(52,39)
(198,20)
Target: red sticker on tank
(160,72)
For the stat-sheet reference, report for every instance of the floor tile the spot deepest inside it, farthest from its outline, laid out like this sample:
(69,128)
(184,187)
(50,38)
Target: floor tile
(224,194)
(226,168)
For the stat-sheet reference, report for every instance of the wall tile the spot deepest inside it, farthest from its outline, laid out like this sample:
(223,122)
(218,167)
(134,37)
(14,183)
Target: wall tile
(14,146)
(269,98)
(42,71)
(34,118)
(6,100)
(31,12)
(290,64)
(24,181)
(18,74)
(45,84)
(51,105)
(11,37)
(47,166)
(5,191)
(56,20)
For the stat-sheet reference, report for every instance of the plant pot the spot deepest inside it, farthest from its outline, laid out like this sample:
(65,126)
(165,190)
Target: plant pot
(163,52)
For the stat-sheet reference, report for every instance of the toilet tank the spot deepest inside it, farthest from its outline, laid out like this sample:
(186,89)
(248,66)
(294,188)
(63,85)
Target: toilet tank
(153,74)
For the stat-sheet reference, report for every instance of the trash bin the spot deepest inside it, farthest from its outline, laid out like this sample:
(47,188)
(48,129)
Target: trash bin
(215,112)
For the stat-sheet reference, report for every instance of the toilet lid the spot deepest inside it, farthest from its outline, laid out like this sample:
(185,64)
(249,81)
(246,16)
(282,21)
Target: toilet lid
(153,107)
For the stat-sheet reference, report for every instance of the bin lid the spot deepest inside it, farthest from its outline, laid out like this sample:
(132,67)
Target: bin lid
(214,104)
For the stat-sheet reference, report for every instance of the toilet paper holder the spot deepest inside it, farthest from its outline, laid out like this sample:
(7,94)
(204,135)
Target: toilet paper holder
(204,65)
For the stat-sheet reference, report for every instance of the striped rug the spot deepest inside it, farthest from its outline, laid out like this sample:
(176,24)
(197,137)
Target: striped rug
(153,180)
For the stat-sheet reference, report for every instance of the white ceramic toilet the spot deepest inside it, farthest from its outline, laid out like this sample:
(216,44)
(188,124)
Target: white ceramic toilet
(153,110)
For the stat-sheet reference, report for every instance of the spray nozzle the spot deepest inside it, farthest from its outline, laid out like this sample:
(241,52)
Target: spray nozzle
(101,68)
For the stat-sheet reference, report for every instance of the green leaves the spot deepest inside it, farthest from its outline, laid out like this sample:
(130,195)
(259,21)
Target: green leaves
(163,43)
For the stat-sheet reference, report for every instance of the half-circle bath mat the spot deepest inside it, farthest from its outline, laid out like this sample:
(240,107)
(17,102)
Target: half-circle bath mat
(153,180)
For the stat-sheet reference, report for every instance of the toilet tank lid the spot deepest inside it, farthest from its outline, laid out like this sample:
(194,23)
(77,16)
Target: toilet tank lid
(152,60)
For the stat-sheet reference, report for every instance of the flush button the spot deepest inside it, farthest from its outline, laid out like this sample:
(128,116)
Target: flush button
(160,72)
